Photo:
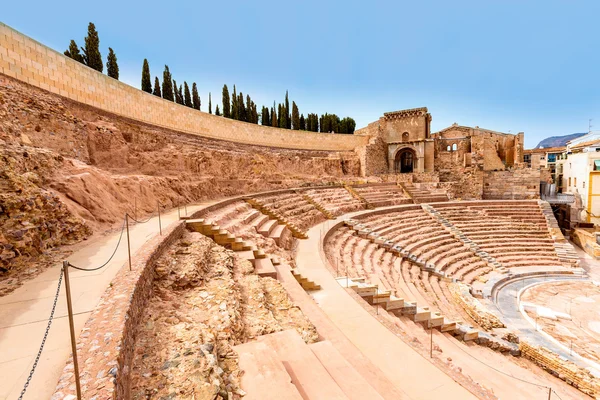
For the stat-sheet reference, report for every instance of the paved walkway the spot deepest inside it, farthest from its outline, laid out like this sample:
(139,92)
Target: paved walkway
(402,365)
(24,313)
(508,305)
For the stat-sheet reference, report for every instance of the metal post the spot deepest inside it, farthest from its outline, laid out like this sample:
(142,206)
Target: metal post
(178,211)
(128,242)
(430,342)
(347,283)
(72,328)
(549,393)
(159,223)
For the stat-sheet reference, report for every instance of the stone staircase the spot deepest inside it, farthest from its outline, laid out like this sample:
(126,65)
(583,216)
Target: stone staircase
(421,195)
(397,306)
(565,251)
(377,297)
(358,197)
(281,366)
(306,283)
(458,234)
(319,206)
(263,265)
(274,215)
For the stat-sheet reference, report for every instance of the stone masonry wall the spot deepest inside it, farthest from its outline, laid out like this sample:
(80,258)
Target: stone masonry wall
(27,60)
(106,343)
(513,184)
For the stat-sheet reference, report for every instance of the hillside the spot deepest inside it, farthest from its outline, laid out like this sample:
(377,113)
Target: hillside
(68,171)
(558,141)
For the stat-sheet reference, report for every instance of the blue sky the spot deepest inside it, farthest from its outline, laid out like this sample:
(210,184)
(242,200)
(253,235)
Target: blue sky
(531,66)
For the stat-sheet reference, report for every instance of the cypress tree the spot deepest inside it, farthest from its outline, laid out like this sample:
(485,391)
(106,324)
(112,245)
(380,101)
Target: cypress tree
(156,87)
(167,85)
(209,104)
(225,100)
(188,96)
(282,119)
(264,115)
(295,117)
(302,123)
(240,108)
(91,49)
(217,112)
(146,84)
(73,52)
(249,109)
(288,122)
(179,93)
(274,116)
(175,92)
(195,97)
(112,68)
(234,104)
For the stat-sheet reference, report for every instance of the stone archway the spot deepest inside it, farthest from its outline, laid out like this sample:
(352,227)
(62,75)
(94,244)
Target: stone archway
(405,161)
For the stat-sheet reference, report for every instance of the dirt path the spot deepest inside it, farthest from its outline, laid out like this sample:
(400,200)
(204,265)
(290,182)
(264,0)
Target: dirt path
(24,313)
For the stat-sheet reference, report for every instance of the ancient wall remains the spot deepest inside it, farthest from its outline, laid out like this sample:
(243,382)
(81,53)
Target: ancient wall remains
(27,60)
(108,362)
(515,184)
(586,239)
(463,146)
(564,369)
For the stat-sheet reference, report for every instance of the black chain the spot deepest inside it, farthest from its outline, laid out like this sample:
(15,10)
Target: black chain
(141,222)
(39,354)
(110,258)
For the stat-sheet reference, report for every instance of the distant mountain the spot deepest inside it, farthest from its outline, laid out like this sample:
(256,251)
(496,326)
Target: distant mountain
(558,141)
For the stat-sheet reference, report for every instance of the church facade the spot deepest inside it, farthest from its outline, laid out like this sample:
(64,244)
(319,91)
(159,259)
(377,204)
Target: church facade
(401,142)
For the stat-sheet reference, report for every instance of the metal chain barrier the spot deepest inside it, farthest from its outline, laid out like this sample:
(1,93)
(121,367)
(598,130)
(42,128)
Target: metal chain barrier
(39,354)
(141,222)
(111,257)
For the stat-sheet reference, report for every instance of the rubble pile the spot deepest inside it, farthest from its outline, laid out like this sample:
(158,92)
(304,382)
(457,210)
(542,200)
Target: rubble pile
(205,301)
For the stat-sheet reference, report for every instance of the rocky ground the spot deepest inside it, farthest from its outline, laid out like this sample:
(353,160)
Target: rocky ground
(68,171)
(206,300)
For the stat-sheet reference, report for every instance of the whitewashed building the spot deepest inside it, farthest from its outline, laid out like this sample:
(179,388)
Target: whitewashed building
(579,172)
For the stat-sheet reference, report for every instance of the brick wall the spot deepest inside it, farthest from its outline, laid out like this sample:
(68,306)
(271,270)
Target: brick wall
(27,60)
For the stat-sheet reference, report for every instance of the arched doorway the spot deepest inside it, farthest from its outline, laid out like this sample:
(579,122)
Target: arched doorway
(405,161)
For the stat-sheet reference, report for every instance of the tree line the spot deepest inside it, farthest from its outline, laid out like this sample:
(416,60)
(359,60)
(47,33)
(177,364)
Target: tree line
(235,106)
(280,115)
(90,54)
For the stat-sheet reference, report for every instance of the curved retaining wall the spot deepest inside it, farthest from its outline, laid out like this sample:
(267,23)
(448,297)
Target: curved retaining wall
(107,341)
(27,60)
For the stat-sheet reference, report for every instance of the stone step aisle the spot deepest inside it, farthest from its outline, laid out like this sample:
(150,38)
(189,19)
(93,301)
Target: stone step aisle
(357,196)
(458,234)
(420,196)
(318,206)
(296,231)
(565,251)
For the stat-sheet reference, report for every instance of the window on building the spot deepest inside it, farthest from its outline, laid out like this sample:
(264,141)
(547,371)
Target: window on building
(569,182)
(551,157)
(448,148)
(575,182)
(583,184)
(454,147)
(596,165)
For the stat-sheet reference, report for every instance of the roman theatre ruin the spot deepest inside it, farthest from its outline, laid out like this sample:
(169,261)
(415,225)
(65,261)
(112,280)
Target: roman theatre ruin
(394,263)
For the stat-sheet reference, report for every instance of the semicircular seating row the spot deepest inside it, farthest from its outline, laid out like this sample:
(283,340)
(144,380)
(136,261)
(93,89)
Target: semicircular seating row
(421,257)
